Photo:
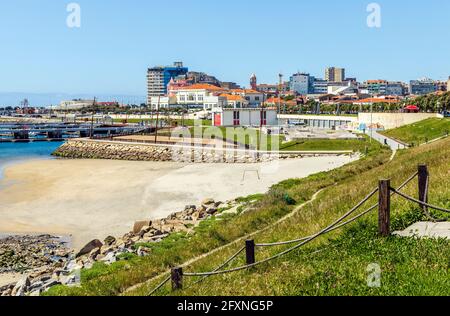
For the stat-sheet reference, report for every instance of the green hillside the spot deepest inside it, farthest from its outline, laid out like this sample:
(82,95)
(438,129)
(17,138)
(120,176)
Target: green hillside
(421,132)
(333,265)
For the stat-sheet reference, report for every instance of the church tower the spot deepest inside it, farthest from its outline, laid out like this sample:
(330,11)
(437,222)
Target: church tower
(253,82)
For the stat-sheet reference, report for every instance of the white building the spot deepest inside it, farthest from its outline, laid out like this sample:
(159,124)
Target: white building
(195,95)
(244,117)
(74,105)
(163,102)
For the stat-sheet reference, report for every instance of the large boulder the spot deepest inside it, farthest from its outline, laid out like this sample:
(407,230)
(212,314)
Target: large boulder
(94,244)
(208,202)
(139,225)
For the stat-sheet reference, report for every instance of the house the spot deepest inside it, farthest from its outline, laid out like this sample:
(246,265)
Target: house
(255,117)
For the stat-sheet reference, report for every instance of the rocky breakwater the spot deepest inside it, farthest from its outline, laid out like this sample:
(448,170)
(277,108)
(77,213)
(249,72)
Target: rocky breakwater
(38,258)
(88,149)
(46,262)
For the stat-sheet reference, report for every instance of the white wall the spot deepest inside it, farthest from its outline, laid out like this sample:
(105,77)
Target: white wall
(394,120)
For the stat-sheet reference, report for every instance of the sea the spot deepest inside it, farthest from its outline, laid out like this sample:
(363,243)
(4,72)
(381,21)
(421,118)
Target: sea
(12,153)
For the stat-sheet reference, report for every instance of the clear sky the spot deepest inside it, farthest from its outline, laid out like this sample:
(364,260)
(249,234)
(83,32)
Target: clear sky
(230,39)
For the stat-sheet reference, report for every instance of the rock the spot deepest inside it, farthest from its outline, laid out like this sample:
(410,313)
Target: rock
(94,253)
(208,202)
(211,211)
(89,247)
(109,258)
(110,240)
(21,287)
(143,251)
(139,225)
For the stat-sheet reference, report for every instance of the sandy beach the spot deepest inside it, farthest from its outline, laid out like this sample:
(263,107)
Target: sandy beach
(90,199)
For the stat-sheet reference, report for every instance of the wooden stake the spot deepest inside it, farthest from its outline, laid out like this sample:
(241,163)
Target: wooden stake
(384,208)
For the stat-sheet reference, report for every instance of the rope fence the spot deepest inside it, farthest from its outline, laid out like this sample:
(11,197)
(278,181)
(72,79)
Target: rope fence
(385,192)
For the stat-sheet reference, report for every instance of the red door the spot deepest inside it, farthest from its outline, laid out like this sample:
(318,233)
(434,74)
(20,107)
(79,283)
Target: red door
(217,119)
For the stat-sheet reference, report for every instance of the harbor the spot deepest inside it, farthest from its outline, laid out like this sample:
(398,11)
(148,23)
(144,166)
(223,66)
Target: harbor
(56,132)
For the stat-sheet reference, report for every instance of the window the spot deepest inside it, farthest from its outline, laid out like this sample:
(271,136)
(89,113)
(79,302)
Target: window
(257,98)
(200,97)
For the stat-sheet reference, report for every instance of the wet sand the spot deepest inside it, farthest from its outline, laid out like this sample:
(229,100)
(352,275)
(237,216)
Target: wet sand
(95,198)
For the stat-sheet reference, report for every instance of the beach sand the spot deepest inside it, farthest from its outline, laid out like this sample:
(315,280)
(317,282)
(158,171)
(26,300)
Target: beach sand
(90,199)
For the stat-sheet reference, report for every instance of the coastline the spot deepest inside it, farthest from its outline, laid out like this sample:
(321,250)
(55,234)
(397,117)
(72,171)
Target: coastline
(91,199)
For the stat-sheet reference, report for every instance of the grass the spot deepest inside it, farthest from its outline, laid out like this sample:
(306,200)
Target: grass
(215,232)
(356,145)
(337,264)
(421,132)
(247,136)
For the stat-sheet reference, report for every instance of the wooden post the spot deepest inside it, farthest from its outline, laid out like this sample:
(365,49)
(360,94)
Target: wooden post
(423,186)
(177,279)
(250,251)
(384,208)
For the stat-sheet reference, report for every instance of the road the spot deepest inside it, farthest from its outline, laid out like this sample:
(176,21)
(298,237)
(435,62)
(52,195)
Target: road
(394,145)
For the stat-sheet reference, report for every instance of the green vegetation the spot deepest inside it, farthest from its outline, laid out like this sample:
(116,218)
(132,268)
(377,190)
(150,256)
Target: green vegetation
(336,264)
(421,132)
(357,145)
(251,137)
(216,232)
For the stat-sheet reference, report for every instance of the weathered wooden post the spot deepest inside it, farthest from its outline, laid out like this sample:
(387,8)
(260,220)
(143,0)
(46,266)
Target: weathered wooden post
(384,208)
(250,251)
(423,185)
(177,278)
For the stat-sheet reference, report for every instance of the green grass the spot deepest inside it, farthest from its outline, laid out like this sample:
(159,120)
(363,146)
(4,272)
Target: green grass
(215,232)
(421,132)
(337,264)
(246,136)
(356,145)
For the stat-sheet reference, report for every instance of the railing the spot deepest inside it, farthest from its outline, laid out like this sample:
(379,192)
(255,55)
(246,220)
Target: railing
(385,192)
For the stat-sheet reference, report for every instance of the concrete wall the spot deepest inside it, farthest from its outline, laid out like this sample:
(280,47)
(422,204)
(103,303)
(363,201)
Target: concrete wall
(393,120)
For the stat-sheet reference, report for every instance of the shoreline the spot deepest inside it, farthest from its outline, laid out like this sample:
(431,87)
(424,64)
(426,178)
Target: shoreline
(91,199)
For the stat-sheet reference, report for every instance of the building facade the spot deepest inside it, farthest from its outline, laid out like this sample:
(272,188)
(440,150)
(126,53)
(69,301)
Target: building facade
(422,86)
(335,74)
(302,83)
(245,117)
(159,77)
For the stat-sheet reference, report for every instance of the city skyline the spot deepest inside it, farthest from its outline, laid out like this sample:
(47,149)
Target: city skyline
(105,58)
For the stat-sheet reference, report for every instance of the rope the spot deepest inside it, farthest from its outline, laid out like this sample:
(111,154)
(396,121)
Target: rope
(411,199)
(221,266)
(159,286)
(313,237)
(404,184)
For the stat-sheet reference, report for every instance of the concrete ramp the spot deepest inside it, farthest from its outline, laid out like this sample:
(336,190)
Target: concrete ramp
(426,230)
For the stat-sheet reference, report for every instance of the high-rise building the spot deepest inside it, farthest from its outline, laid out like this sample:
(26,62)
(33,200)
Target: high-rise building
(335,74)
(159,77)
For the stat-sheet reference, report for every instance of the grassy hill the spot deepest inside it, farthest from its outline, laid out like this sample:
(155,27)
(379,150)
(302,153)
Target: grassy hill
(333,265)
(421,132)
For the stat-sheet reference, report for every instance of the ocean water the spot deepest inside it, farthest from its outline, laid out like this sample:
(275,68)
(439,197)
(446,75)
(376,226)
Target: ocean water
(11,153)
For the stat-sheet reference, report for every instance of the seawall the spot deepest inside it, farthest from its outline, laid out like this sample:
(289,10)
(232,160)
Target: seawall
(116,150)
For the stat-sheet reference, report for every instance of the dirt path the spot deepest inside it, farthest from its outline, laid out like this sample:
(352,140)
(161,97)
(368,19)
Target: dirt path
(241,239)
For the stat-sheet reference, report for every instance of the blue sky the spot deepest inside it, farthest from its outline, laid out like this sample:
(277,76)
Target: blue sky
(230,39)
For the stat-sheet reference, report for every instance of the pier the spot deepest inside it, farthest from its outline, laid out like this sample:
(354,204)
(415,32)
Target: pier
(59,132)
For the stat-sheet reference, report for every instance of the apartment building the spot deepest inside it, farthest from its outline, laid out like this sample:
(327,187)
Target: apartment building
(335,74)
(159,77)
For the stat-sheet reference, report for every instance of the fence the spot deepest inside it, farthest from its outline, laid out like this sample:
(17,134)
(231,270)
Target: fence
(385,193)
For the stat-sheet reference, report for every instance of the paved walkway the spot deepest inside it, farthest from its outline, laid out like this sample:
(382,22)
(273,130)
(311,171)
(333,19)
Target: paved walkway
(426,230)
(385,140)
